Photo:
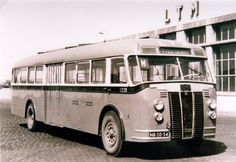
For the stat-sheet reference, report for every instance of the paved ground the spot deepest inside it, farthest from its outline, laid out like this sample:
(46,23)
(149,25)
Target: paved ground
(5,97)
(50,144)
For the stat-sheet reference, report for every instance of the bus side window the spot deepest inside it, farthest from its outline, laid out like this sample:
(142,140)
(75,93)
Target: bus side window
(39,75)
(31,75)
(70,73)
(98,71)
(23,76)
(17,76)
(118,74)
(83,73)
(134,70)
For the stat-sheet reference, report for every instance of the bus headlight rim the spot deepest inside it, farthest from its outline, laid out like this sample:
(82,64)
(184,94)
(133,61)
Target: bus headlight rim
(159,106)
(212,115)
(159,117)
(212,104)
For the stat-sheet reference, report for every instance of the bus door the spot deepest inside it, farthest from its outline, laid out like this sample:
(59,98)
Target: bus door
(53,100)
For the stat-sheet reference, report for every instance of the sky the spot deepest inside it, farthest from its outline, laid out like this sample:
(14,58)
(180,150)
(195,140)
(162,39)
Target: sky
(31,26)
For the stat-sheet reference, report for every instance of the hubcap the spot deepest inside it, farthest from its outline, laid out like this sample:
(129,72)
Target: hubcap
(110,134)
(30,118)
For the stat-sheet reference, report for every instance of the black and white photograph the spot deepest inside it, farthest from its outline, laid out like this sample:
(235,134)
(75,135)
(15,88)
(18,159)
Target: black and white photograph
(117,80)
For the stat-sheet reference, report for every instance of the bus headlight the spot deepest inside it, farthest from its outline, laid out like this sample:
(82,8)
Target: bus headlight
(212,104)
(159,117)
(159,106)
(212,115)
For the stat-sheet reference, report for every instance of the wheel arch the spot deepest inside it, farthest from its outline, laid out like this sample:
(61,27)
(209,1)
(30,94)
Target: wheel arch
(102,114)
(29,101)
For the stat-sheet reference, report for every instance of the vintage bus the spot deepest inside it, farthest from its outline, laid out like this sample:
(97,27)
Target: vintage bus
(140,90)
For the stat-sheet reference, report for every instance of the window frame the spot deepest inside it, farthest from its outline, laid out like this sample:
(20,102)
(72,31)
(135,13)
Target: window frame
(197,35)
(104,72)
(88,74)
(74,75)
(225,30)
(111,71)
(224,75)
(41,79)
(23,73)
(28,77)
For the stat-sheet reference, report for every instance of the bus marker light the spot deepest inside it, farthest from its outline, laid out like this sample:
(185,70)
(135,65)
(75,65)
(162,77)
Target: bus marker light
(212,115)
(159,106)
(212,104)
(159,118)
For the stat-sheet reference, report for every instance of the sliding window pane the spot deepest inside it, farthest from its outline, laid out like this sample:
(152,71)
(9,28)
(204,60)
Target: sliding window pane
(70,73)
(39,74)
(83,73)
(31,75)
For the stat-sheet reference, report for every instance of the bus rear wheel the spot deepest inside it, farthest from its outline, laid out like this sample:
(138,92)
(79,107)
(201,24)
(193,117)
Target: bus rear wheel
(112,133)
(30,118)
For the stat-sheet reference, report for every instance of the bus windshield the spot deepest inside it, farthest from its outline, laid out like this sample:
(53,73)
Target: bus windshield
(161,68)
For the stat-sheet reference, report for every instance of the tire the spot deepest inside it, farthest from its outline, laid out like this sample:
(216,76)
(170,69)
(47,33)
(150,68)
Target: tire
(30,118)
(112,133)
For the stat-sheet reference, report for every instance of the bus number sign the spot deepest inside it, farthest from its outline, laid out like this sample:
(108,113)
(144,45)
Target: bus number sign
(123,90)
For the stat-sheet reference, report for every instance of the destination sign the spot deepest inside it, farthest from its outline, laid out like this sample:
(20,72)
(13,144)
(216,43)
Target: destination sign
(175,51)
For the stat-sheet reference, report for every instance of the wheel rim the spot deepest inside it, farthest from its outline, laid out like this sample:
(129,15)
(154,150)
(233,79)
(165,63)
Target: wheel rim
(110,134)
(30,118)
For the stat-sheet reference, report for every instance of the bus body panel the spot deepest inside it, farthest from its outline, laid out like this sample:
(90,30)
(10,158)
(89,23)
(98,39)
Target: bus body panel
(54,107)
(81,110)
(20,97)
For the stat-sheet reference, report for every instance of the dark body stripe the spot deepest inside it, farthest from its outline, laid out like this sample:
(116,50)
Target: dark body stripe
(98,89)
(90,89)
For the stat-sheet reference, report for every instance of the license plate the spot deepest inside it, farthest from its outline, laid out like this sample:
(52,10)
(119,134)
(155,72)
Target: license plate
(158,134)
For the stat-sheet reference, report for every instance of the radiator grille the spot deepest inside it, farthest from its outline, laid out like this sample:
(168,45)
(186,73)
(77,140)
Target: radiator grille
(175,109)
(198,110)
(176,115)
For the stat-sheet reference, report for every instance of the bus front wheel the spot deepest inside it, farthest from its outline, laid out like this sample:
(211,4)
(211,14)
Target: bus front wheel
(112,133)
(30,118)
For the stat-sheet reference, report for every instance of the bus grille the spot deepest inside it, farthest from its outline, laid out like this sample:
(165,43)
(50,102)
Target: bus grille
(198,110)
(176,110)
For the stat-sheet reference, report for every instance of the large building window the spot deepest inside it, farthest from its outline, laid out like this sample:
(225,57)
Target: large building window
(197,36)
(225,67)
(226,31)
(170,36)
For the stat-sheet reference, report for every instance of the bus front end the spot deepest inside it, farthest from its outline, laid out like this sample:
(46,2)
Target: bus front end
(187,111)
(181,97)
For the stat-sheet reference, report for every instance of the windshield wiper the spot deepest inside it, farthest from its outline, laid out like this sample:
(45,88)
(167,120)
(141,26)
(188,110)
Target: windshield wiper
(195,71)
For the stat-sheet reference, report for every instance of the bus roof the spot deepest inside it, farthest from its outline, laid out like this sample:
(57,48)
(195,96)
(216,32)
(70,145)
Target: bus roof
(98,50)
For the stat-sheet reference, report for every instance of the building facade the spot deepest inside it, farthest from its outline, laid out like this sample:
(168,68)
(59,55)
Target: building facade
(218,37)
